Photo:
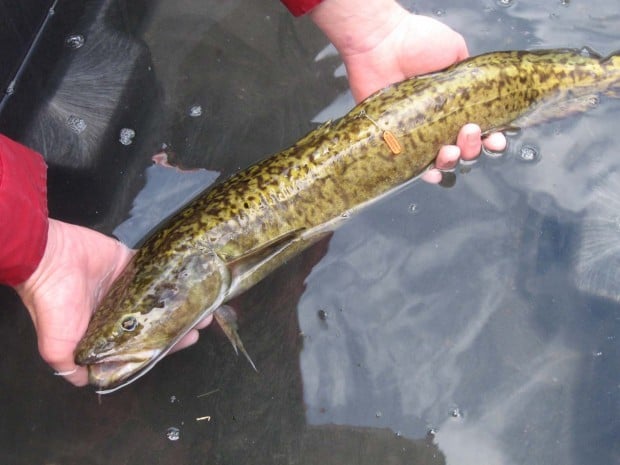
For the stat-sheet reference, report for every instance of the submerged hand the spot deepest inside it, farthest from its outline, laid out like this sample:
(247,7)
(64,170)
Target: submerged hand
(381,43)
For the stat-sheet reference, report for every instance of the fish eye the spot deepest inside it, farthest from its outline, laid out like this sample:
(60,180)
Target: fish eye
(129,323)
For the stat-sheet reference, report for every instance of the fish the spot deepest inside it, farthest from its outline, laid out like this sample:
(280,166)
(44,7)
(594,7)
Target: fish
(234,234)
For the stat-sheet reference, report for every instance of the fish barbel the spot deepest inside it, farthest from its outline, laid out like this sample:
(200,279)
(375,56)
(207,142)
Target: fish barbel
(234,234)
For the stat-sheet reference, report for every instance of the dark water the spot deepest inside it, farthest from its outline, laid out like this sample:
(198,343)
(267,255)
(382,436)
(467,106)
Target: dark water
(471,325)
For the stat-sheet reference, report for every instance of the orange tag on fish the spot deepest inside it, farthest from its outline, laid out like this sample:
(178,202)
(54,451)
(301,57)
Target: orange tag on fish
(392,142)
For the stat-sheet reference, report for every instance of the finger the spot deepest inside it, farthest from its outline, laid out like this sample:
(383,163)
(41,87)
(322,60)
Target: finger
(189,339)
(495,142)
(448,157)
(432,176)
(75,374)
(59,355)
(204,322)
(462,51)
(192,336)
(469,141)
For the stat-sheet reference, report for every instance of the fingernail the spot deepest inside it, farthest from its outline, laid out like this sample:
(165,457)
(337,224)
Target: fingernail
(472,139)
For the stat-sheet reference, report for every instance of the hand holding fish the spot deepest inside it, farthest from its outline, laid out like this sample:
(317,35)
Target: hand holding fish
(77,269)
(382,43)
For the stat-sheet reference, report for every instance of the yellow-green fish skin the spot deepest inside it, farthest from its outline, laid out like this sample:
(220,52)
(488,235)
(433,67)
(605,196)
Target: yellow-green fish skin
(232,235)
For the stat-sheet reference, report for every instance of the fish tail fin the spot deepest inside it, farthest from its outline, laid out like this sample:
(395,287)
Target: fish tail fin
(612,64)
(613,58)
(227,319)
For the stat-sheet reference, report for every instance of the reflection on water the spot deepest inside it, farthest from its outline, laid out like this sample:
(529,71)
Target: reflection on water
(490,300)
(597,261)
(449,327)
(165,189)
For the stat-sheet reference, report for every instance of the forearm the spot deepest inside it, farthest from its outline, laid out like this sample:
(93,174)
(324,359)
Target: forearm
(23,211)
(355,26)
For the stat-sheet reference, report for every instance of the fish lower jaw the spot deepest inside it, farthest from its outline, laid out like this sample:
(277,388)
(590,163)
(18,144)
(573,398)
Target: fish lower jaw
(108,375)
(105,375)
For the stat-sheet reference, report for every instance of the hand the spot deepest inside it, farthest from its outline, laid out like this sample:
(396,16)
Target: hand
(381,43)
(77,269)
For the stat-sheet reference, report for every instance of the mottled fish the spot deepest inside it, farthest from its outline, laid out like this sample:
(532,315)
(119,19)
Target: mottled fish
(233,235)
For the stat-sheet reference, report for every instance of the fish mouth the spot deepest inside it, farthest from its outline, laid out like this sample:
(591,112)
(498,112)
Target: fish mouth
(113,372)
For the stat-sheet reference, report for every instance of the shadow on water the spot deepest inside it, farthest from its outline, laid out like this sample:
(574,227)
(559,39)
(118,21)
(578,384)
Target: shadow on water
(458,326)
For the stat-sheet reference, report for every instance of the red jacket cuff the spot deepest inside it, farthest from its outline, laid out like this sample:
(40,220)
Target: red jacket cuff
(300,7)
(23,211)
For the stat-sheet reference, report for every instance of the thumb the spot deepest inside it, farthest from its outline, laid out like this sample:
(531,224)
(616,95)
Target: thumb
(59,355)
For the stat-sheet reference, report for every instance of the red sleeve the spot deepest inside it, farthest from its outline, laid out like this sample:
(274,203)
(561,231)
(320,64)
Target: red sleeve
(23,211)
(300,7)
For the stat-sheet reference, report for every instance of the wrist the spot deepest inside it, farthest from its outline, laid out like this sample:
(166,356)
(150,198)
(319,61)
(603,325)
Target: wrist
(26,288)
(356,27)
(74,254)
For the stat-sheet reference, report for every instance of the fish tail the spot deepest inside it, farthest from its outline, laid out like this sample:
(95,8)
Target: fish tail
(611,63)
(613,57)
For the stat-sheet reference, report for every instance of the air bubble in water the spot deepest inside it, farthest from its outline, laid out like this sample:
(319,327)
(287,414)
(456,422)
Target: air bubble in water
(126,136)
(529,154)
(439,12)
(455,413)
(505,3)
(413,208)
(76,124)
(195,111)
(75,41)
(173,433)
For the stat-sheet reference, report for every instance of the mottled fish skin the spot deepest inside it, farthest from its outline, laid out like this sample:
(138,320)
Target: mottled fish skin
(231,236)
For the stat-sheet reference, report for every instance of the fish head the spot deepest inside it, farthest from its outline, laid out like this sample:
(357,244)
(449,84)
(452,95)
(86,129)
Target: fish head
(124,346)
(149,308)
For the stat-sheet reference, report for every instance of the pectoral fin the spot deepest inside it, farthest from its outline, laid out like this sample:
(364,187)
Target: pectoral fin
(253,257)
(227,319)
(254,265)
